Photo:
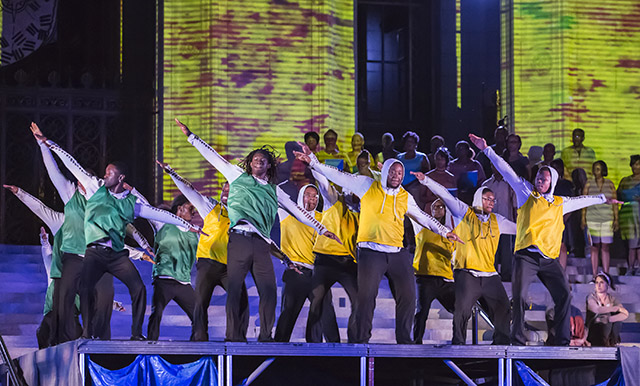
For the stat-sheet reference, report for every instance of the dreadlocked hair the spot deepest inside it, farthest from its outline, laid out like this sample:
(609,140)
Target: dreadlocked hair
(270,153)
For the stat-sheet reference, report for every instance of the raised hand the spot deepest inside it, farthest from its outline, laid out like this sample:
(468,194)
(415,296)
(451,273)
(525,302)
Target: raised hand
(183,127)
(148,255)
(454,237)
(478,141)
(44,236)
(117,306)
(332,236)
(127,186)
(12,188)
(419,175)
(37,132)
(197,229)
(613,201)
(302,157)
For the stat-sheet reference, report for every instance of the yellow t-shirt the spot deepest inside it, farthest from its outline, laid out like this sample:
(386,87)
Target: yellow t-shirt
(341,221)
(433,255)
(297,239)
(540,223)
(480,243)
(214,246)
(382,225)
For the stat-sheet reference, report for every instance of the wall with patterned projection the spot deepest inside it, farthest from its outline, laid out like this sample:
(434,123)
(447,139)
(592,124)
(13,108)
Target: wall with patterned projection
(576,64)
(245,73)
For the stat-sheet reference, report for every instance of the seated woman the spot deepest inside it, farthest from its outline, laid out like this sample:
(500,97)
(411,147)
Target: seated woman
(604,314)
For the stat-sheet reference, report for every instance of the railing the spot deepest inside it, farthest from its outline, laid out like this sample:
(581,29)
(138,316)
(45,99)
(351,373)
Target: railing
(14,374)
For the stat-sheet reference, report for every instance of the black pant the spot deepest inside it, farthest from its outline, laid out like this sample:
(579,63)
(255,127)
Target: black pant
(527,266)
(327,270)
(68,325)
(504,256)
(165,290)
(97,262)
(46,332)
(604,334)
(297,289)
(490,291)
(211,273)
(397,267)
(250,253)
(431,288)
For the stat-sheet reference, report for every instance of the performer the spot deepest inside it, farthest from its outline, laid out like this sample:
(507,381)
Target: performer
(380,241)
(109,209)
(72,247)
(432,266)
(296,241)
(538,238)
(253,203)
(474,262)
(175,251)
(334,262)
(211,254)
(47,332)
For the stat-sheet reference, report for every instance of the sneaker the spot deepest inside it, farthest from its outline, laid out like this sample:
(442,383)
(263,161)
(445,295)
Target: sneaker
(629,272)
(593,280)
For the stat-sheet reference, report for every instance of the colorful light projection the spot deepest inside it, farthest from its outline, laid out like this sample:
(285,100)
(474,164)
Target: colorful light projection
(245,73)
(576,64)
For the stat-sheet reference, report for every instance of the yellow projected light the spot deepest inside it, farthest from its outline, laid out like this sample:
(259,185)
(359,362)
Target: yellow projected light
(245,73)
(576,64)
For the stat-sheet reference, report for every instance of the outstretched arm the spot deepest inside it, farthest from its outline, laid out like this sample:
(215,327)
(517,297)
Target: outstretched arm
(156,225)
(151,213)
(148,254)
(66,189)
(571,204)
(201,202)
(52,219)
(457,208)
(47,252)
(429,222)
(357,184)
(521,187)
(229,171)
(328,192)
(91,183)
(507,227)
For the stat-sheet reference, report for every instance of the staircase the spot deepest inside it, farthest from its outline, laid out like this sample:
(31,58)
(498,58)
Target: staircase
(23,285)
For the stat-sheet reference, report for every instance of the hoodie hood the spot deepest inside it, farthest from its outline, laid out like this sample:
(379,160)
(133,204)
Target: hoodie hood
(301,197)
(554,181)
(385,174)
(477,198)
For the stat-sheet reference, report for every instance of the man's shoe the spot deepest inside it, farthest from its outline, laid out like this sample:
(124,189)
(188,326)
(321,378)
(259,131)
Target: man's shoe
(138,337)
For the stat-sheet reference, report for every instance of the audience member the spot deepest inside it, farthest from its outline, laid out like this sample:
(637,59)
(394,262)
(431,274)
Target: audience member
(440,175)
(605,314)
(518,162)
(388,150)
(312,139)
(331,155)
(548,152)
(436,143)
(413,161)
(468,172)
(578,155)
(600,220)
(629,192)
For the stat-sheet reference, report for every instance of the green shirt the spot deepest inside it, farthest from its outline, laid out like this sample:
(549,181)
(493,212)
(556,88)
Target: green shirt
(175,253)
(253,202)
(72,231)
(55,272)
(106,217)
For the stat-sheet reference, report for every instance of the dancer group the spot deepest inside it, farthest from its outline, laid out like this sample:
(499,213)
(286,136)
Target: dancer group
(354,240)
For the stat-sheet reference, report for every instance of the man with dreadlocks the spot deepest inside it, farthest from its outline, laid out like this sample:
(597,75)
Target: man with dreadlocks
(253,204)
(474,272)
(538,239)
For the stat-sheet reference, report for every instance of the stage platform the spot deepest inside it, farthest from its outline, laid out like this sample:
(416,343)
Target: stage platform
(332,364)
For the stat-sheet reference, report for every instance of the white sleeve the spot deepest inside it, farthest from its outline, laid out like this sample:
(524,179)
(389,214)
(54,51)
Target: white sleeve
(282,214)
(457,208)
(151,213)
(328,192)
(66,189)
(415,213)
(156,225)
(138,237)
(357,184)
(201,202)
(521,187)
(229,171)
(570,204)
(304,217)
(134,254)
(47,255)
(506,227)
(52,219)
(91,183)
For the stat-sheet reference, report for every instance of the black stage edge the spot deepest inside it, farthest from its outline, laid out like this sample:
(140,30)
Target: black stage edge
(329,364)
